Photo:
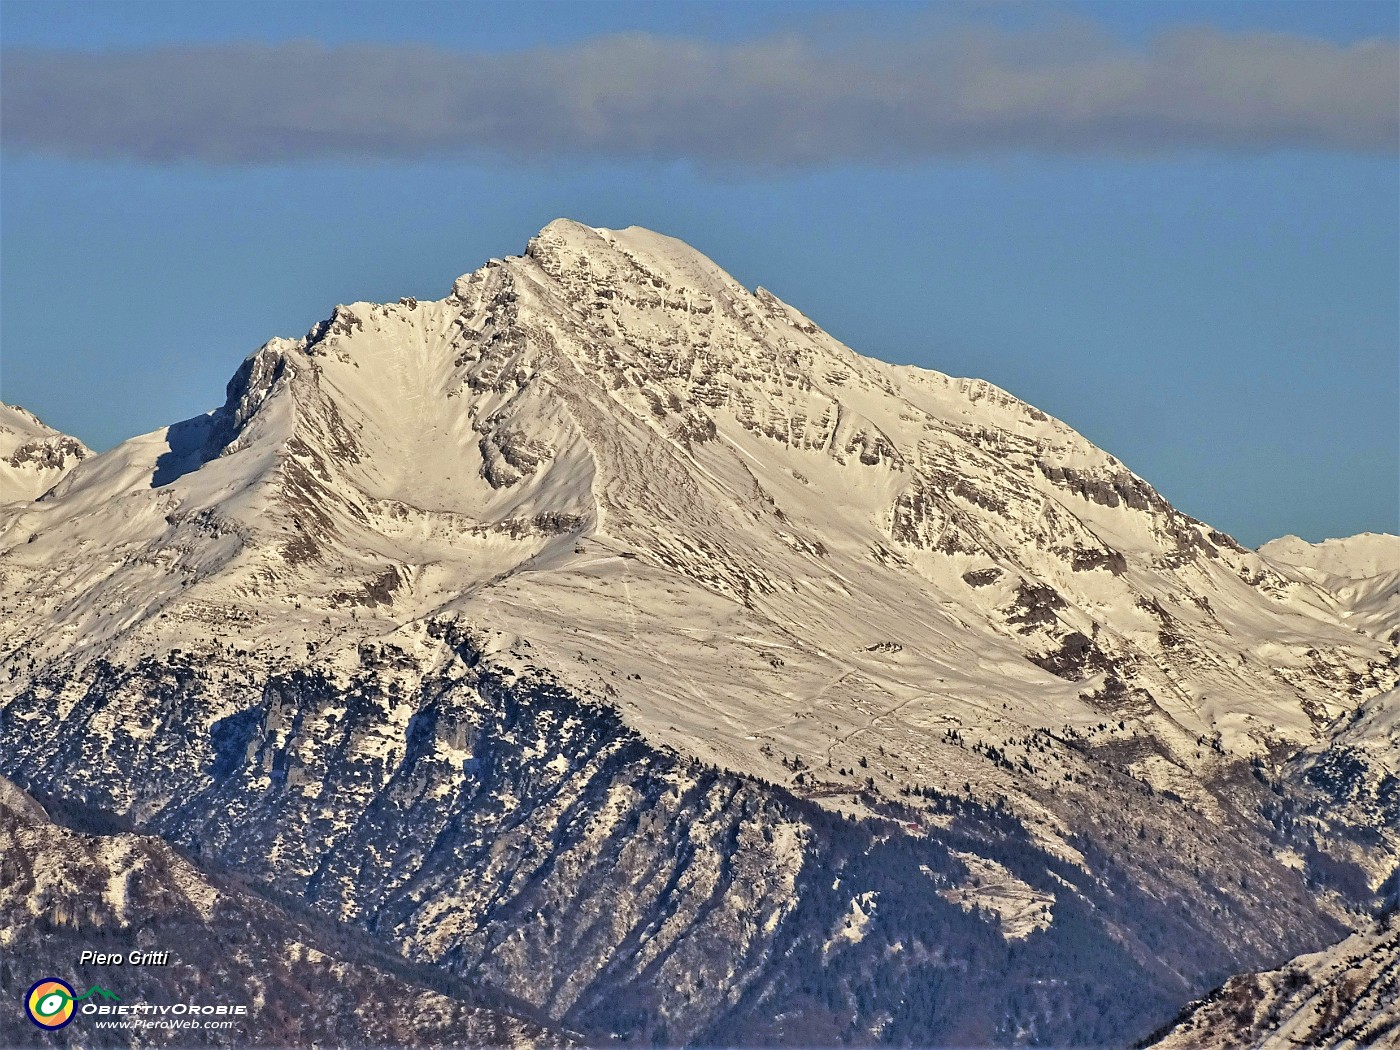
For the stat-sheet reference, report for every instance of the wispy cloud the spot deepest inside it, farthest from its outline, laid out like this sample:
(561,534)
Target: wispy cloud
(773,103)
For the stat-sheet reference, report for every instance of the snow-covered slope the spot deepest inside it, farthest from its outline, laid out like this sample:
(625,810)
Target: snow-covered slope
(1361,574)
(33,457)
(609,466)
(1355,557)
(1344,998)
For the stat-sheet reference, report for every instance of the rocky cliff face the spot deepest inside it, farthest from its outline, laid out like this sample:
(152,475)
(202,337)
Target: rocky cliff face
(610,633)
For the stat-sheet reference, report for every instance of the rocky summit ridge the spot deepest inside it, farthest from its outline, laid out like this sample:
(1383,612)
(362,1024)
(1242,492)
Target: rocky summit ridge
(602,544)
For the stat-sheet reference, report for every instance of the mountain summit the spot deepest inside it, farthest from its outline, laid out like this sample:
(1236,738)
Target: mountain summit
(33,456)
(610,430)
(605,468)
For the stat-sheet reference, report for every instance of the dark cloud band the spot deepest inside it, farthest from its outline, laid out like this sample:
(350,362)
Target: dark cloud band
(780,102)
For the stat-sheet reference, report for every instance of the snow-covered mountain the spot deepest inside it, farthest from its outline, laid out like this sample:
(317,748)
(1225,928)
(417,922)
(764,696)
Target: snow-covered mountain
(33,457)
(605,572)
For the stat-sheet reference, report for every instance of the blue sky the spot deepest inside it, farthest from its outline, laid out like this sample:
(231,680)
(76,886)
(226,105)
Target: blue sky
(1207,288)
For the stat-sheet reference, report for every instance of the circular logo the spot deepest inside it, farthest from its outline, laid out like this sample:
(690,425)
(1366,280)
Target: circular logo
(50,1003)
